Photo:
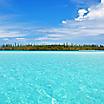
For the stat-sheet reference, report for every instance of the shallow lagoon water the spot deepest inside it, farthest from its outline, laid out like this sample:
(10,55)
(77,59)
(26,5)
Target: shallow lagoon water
(46,77)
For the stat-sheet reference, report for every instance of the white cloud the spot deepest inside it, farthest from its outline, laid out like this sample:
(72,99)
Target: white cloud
(94,12)
(81,13)
(102,1)
(16,30)
(64,22)
(89,23)
(10,33)
(20,38)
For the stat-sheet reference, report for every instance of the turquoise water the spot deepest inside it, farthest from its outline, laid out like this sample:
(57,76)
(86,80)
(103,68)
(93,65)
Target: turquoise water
(51,77)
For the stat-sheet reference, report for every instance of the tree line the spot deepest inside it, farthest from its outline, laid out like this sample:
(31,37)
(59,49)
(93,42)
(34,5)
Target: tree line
(55,47)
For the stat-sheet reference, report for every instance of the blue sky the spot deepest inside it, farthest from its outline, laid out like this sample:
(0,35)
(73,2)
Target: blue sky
(51,21)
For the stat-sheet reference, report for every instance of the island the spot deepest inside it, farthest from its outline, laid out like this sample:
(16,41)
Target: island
(52,47)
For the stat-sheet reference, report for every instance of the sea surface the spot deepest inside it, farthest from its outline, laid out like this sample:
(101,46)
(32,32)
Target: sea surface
(46,77)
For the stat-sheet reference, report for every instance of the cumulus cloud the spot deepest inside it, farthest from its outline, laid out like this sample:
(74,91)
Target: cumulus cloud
(81,13)
(95,12)
(89,23)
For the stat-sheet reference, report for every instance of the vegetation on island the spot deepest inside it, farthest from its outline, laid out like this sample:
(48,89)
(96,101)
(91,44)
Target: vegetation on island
(57,47)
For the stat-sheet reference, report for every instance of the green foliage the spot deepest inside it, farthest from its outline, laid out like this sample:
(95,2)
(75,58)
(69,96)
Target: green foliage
(64,47)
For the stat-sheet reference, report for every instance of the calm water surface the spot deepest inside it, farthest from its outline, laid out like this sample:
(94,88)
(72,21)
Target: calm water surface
(51,77)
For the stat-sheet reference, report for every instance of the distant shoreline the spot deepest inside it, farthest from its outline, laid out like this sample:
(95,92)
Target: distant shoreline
(64,47)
